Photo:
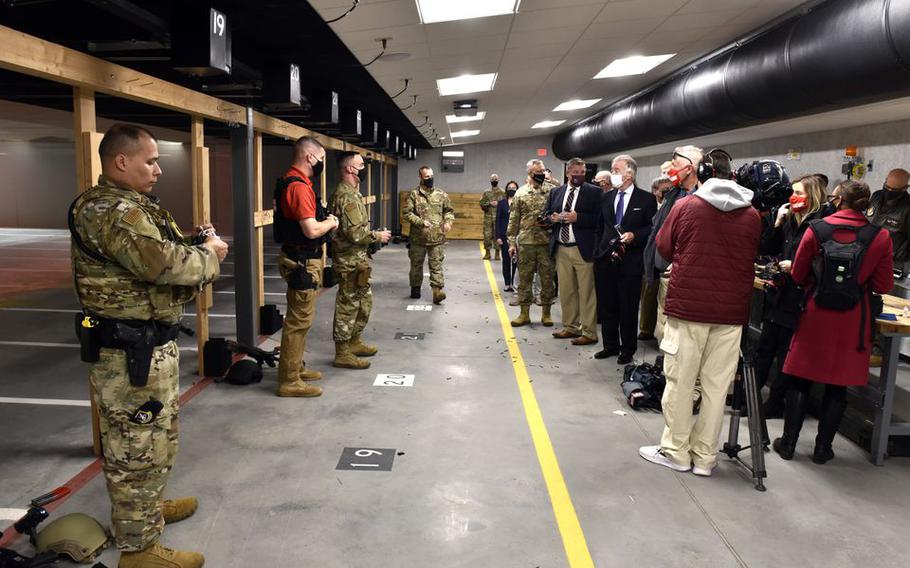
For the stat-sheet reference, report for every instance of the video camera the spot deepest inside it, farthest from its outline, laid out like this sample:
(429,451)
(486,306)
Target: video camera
(768,181)
(543,220)
(616,248)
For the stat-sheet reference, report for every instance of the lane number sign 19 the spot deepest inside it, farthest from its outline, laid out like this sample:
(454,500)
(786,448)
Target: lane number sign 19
(219,23)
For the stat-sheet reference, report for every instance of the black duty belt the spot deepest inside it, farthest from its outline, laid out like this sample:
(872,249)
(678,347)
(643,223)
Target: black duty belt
(111,332)
(567,244)
(295,252)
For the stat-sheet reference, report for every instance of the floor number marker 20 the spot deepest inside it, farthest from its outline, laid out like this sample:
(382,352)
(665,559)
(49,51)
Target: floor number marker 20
(420,308)
(366,459)
(394,381)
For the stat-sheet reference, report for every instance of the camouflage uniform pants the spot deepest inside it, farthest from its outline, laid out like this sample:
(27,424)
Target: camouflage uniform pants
(436,254)
(353,305)
(301,311)
(535,259)
(139,448)
(488,231)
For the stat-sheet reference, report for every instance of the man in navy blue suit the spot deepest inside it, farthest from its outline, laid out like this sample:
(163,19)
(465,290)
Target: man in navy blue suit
(575,212)
(626,212)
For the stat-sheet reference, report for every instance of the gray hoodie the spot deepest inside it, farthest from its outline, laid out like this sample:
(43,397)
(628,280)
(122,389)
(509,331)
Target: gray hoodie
(724,194)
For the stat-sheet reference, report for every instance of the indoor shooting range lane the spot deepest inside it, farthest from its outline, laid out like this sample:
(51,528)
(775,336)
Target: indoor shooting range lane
(468,490)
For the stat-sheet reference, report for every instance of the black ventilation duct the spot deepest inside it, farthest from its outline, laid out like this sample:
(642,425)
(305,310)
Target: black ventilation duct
(840,54)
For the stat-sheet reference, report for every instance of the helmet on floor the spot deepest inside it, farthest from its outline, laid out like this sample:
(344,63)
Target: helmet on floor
(76,535)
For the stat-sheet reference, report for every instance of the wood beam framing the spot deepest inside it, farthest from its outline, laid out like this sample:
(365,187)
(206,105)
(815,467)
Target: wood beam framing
(257,208)
(84,122)
(202,215)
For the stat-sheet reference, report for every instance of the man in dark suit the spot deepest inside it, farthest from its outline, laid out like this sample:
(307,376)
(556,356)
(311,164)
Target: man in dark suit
(619,276)
(576,215)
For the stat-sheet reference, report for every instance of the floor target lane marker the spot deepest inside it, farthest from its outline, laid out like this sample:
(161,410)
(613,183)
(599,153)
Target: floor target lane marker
(573,537)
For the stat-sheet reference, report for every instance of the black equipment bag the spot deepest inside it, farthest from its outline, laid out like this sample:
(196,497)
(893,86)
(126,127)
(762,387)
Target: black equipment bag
(216,357)
(270,319)
(243,372)
(643,386)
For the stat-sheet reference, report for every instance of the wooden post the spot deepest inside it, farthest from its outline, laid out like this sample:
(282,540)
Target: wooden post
(202,214)
(257,206)
(369,191)
(323,197)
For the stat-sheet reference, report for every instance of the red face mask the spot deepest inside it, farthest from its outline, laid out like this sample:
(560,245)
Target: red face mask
(674,176)
(798,204)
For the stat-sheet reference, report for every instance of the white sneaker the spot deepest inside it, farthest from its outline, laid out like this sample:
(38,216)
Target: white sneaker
(702,471)
(654,455)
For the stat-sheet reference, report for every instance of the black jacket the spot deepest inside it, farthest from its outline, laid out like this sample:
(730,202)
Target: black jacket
(502,221)
(894,216)
(587,206)
(653,262)
(785,302)
(640,209)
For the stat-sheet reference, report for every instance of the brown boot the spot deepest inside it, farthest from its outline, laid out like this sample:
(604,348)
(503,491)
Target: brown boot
(486,254)
(524,318)
(299,388)
(346,359)
(438,295)
(545,318)
(308,374)
(157,556)
(362,349)
(175,510)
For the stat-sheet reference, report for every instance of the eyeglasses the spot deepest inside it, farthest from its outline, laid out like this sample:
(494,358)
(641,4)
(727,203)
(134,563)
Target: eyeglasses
(678,155)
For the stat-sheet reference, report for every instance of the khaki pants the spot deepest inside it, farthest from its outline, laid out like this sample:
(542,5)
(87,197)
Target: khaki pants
(576,292)
(696,351)
(661,300)
(301,311)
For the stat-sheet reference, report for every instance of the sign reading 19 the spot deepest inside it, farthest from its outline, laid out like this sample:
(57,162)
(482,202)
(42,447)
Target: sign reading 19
(219,23)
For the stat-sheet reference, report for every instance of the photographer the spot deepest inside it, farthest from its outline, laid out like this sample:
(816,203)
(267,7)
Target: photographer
(839,301)
(783,298)
(711,239)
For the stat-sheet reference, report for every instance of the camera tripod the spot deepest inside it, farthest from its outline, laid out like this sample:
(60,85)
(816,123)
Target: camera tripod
(745,387)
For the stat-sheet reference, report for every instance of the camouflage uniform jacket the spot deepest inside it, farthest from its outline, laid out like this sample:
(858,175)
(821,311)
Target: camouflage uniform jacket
(486,202)
(431,205)
(523,228)
(153,270)
(353,235)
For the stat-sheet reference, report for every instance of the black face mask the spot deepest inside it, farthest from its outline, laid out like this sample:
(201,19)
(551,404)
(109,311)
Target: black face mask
(510,192)
(892,195)
(494,183)
(428,183)
(539,178)
(317,169)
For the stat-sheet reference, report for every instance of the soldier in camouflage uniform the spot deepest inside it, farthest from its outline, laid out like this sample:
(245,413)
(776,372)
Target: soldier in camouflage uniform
(530,241)
(430,214)
(351,265)
(488,203)
(134,270)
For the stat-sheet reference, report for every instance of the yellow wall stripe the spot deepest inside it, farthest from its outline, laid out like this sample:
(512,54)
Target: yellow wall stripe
(573,538)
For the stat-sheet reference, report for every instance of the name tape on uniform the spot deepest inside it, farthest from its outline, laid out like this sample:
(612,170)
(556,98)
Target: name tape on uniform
(366,459)
(420,308)
(394,381)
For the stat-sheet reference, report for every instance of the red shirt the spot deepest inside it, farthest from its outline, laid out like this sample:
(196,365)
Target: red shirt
(299,201)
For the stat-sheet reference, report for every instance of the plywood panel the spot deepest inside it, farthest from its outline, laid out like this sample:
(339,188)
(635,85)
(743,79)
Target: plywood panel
(468,216)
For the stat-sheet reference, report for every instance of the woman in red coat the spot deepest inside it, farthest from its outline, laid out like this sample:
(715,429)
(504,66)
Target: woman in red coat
(826,344)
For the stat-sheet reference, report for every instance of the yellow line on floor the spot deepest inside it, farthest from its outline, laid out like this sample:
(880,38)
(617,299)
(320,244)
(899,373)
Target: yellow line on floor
(573,538)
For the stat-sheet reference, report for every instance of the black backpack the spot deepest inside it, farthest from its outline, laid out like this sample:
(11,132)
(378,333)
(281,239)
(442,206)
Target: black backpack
(836,269)
(643,386)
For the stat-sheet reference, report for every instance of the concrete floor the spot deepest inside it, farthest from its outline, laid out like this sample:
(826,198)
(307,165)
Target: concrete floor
(466,487)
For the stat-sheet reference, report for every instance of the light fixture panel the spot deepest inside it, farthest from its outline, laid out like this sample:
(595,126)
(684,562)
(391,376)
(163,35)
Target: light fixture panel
(577,104)
(451,118)
(548,123)
(464,133)
(635,65)
(466,84)
(434,11)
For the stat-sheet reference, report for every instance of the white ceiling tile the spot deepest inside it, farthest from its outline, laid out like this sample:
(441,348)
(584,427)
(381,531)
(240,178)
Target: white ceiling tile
(378,15)
(555,18)
(617,30)
(533,5)
(706,20)
(639,9)
(466,63)
(559,36)
(475,27)
(700,6)
(446,48)
(401,36)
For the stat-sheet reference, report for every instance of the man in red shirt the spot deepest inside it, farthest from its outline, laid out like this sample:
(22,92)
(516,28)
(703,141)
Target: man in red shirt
(710,239)
(301,226)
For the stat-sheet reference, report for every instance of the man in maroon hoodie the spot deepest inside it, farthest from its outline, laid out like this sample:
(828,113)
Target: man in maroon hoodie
(711,241)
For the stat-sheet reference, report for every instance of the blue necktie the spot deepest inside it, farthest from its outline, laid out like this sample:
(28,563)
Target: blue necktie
(620,208)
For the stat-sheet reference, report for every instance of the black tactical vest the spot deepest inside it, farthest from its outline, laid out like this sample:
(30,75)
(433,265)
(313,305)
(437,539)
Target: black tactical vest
(288,231)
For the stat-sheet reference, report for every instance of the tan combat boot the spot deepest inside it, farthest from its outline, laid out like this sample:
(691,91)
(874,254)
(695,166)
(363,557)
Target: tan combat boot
(545,318)
(496,257)
(175,510)
(438,295)
(524,318)
(362,349)
(298,388)
(157,556)
(345,359)
(486,254)
(308,374)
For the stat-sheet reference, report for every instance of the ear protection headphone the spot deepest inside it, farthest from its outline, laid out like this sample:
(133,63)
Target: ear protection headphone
(706,169)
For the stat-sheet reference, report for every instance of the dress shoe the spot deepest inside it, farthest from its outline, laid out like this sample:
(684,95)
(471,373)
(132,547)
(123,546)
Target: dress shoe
(645,336)
(606,353)
(584,341)
(565,334)
(624,358)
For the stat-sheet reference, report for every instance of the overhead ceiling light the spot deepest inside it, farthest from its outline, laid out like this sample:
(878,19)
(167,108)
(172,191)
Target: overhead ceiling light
(453,154)
(577,104)
(432,11)
(465,84)
(635,65)
(450,118)
(463,133)
(548,123)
